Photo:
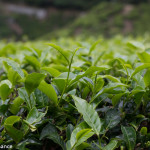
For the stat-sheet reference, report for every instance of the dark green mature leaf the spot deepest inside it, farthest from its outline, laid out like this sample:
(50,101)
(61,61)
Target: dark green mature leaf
(50,132)
(109,88)
(129,136)
(5,89)
(3,108)
(83,146)
(42,99)
(48,90)
(89,114)
(16,134)
(29,141)
(69,130)
(112,118)
(32,81)
(30,101)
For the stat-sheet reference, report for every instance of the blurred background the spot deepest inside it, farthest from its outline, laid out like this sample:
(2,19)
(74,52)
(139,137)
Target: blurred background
(45,19)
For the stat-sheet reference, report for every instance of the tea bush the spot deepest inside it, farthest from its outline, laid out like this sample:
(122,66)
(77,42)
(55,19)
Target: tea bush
(75,95)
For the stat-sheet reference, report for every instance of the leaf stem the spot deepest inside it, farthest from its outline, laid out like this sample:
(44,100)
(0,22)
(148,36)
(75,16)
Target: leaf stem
(78,120)
(66,83)
(99,140)
(94,88)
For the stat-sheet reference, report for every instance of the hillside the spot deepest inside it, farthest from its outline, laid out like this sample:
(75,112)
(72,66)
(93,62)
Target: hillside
(106,19)
(109,19)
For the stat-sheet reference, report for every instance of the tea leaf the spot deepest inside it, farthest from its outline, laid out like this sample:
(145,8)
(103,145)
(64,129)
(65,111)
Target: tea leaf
(32,81)
(111,146)
(48,90)
(129,135)
(16,134)
(89,114)
(50,132)
(5,89)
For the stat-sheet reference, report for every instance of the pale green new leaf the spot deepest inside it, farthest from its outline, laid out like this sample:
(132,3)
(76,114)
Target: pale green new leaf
(13,76)
(111,145)
(33,117)
(5,89)
(52,71)
(60,50)
(144,57)
(33,61)
(14,133)
(32,81)
(15,106)
(15,66)
(73,142)
(93,46)
(147,78)
(83,135)
(140,68)
(89,72)
(60,68)
(135,45)
(48,90)
(114,79)
(89,114)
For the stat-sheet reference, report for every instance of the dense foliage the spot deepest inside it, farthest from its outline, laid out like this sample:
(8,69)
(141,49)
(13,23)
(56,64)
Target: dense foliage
(75,96)
(79,4)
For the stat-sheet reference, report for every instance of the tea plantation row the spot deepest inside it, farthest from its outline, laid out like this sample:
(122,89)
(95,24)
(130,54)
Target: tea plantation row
(75,95)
